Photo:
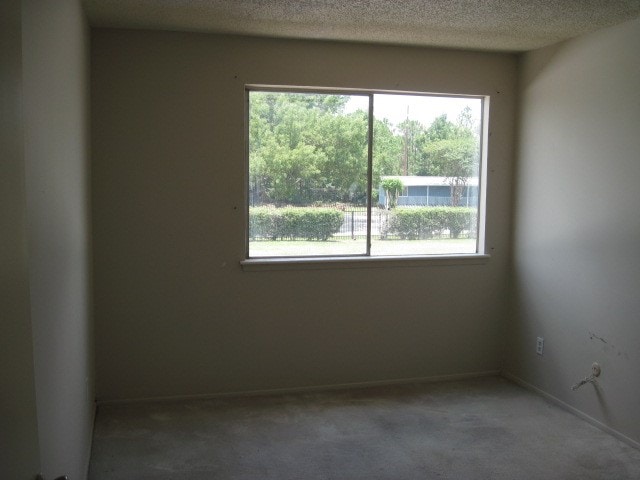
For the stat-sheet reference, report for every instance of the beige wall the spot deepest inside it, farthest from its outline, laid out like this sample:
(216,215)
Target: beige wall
(577,225)
(175,313)
(47,366)
(19,455)
(55,87)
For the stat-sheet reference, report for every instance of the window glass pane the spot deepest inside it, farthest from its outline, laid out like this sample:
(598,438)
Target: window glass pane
(426,169)
(308,161)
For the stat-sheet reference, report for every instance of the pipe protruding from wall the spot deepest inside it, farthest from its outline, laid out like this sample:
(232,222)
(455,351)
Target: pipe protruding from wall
(596,370)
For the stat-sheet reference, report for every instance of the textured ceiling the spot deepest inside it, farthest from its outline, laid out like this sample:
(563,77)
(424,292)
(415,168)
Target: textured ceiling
(504,25)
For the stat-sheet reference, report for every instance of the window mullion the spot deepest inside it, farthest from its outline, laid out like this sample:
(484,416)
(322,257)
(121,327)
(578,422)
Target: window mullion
(369,172)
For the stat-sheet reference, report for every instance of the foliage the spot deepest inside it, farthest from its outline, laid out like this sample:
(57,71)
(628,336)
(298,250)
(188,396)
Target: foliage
(309,223)
(387,150)
(392,187)
(412,223)
(449,150)
(455,159)
(304,149)
(412,133)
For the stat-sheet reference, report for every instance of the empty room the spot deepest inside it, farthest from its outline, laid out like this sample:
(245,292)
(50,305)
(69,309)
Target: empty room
(320,239)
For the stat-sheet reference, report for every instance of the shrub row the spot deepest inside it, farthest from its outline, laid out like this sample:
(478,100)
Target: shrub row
(294,223)
(411,223)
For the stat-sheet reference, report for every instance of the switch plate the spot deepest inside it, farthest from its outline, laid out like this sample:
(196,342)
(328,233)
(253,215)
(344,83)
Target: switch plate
(540,345)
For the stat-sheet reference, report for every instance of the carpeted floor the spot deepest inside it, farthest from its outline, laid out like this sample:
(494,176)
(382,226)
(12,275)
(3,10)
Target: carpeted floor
(484,428)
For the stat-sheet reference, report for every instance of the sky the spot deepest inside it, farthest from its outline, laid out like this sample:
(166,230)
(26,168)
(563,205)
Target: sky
(425,109)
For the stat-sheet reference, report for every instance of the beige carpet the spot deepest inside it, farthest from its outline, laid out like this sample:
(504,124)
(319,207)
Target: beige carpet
(485,428)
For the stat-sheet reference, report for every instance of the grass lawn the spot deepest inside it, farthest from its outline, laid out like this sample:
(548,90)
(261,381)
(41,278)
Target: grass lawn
(295,248)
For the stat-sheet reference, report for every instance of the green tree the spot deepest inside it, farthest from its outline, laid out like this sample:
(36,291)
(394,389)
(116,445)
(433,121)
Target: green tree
(392,188)
(303,148)
(441,129)
(451,150)
(455,159)
(412,133)
(343,139)
(466,121)
(387,150)
(424,163)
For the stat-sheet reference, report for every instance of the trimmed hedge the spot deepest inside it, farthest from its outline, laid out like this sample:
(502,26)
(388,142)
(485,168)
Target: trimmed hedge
(412,223)
(294,223)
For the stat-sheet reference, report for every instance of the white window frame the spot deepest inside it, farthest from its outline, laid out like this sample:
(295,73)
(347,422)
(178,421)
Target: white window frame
(366,259)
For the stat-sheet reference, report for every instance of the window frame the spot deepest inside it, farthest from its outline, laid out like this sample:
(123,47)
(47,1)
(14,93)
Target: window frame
(367,259)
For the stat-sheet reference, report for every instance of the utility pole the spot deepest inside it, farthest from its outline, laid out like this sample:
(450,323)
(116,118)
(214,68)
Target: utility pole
(405,147)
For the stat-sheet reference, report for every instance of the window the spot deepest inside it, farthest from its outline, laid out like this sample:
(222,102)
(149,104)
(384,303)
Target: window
(363,173)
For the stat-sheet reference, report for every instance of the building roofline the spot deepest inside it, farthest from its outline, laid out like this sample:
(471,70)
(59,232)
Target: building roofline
(427,181)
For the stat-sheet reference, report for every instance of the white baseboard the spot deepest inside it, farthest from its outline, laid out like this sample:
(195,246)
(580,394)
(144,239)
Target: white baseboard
(318,388)
(620,436)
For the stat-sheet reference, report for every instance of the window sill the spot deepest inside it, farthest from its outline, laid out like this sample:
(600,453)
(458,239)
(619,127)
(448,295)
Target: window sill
(331,263)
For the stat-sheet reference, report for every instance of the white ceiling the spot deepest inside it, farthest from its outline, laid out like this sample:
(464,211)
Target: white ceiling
(503,25)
